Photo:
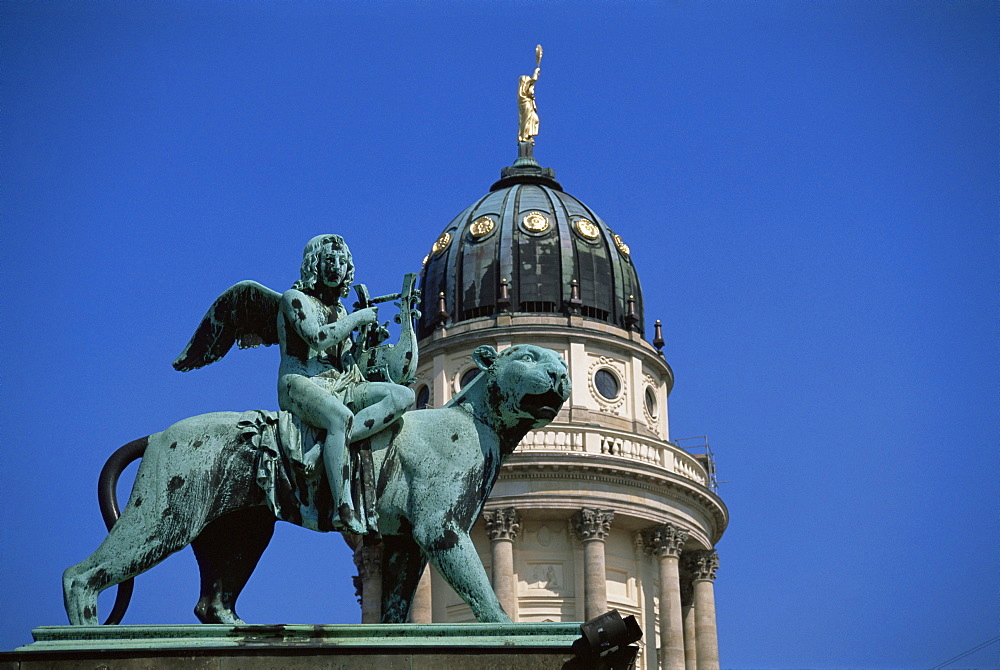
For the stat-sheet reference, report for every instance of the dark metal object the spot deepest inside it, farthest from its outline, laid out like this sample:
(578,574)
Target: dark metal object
(107,498)
(538,259)
(630,318)
(606,643)
(658,337)
(574,297)
(503,303)
(442,311)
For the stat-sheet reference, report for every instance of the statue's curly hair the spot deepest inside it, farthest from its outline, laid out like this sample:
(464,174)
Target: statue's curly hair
(310,263)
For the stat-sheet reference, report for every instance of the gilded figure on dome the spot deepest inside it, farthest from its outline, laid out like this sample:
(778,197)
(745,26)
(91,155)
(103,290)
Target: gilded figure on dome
(527,110)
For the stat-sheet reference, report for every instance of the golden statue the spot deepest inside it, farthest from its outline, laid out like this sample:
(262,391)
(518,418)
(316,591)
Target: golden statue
(527,111)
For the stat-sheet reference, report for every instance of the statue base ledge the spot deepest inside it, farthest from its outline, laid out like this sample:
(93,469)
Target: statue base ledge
(386,646)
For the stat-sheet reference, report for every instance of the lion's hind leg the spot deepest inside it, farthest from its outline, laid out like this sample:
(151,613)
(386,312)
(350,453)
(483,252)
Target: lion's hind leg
(143,536)
(228,551)
(402,565)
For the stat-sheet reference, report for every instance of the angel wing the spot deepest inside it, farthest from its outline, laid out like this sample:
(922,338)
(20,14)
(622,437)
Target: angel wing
(246,313)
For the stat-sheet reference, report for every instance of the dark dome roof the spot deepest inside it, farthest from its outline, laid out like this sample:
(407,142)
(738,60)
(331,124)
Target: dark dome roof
(539,239)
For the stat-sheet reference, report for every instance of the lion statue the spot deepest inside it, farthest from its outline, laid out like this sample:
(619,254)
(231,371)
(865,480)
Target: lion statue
(432,470)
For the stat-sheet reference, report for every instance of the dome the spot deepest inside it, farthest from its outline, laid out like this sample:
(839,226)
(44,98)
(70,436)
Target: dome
(528,247)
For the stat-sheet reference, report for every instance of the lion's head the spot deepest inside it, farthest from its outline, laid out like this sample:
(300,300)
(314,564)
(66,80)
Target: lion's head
(525,383)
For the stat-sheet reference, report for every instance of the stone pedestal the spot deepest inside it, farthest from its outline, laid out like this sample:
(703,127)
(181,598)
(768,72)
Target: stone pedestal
(258,647)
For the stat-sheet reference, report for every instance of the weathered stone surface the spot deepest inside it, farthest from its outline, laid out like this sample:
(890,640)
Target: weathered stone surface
(217,647)
(311,661)
(324,661)
(119,662)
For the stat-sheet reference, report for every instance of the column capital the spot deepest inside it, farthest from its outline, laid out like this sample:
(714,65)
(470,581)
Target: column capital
(502,524)
(702,564)
(368,560)
(592,524)
(665,540)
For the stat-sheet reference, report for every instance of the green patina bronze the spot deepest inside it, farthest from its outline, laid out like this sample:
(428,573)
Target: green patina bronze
(341,455)
(555,636)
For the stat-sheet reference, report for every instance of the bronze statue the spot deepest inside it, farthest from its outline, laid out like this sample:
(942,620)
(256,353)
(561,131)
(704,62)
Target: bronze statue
(320,380)
(527,110)
(342,455)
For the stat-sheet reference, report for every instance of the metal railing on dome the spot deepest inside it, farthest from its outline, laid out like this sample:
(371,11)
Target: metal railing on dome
(699,448)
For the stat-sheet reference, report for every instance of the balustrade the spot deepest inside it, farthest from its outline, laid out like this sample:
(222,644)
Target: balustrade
(618,445)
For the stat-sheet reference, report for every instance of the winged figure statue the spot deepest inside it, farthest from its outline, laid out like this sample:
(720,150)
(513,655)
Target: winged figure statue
(344,385)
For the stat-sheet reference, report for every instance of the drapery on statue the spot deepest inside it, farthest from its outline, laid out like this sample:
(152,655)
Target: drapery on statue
(219,481)
(527,110)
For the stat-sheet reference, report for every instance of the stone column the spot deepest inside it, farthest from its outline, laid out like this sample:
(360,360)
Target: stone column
(687,614)
(665,542)
(368,583)
(703,565)
(592,527)
(502,526)
(420,608)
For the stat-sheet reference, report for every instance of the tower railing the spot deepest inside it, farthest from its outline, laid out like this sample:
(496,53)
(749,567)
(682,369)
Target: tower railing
(699,448)
(619,445)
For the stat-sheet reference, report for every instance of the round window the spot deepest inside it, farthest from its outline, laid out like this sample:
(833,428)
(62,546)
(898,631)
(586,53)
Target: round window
(467,377)
(607,383)
(651,404)
(423,397)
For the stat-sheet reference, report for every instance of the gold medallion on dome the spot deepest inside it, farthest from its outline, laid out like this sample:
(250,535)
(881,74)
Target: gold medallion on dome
(535,222)
(441,244)
(423,263)
(482,227)
(587,229)
(622,247)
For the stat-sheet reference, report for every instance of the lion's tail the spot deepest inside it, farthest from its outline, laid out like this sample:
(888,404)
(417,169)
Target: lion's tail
(107,498)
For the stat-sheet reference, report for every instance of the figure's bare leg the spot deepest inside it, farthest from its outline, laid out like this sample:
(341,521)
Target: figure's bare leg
(228,551)
(383,403)
(317,407)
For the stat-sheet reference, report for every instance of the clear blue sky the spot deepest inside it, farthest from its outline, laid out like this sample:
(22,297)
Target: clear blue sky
(810,191)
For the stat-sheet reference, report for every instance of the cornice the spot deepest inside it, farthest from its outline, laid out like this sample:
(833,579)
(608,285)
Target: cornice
(592,468)
(630,515)
(571,329)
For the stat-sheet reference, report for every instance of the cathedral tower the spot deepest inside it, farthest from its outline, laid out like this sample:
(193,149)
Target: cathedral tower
(600,509)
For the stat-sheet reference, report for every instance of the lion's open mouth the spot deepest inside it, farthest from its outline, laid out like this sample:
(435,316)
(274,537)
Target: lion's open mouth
(543,405)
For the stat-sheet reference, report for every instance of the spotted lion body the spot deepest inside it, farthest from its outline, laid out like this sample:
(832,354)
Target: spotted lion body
(433,470)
